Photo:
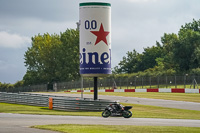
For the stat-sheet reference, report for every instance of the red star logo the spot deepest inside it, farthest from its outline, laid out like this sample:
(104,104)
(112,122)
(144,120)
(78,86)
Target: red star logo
(101,35)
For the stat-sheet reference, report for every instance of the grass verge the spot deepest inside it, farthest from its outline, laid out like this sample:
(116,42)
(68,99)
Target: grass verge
(155,95)
(139,111)
(75,128)
(188,97)
(26,109)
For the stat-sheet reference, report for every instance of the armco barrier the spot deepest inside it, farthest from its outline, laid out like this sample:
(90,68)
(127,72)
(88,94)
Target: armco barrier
(80,104)
(55,102)
(164,90)
(24,98)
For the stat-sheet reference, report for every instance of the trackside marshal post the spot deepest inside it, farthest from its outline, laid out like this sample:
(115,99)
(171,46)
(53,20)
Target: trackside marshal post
(95,40)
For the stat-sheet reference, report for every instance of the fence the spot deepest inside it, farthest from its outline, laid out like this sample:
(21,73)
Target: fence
(80,104)
(29,88)
(185,81)
(59,102)
(133,83)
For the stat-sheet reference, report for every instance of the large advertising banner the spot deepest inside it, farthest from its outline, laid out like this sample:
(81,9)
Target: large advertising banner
(95,39)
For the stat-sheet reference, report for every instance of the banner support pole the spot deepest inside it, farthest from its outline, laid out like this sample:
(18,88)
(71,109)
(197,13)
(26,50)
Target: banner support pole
(95,88)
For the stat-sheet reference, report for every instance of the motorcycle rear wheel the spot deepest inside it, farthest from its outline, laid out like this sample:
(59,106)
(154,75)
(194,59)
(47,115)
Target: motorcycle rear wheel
(127,114)
(106,113)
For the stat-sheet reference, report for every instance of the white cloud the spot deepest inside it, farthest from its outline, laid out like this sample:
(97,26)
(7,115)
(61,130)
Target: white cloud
(8,40)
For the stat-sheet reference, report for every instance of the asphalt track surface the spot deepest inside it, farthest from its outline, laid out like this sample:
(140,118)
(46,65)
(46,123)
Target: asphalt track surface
(142,101)
(20,123)
(10,123)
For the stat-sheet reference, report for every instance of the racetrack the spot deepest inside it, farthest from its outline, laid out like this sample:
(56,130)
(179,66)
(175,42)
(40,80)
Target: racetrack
(142,101)
(21,122)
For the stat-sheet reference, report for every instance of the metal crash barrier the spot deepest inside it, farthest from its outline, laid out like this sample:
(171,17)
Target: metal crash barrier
(55,102)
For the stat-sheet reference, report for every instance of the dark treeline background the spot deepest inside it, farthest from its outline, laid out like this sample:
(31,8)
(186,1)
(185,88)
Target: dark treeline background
(55,58)
(175,54)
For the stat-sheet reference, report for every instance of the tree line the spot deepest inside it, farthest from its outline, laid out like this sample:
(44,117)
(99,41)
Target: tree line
(52,58)
(8,86)
(55,57)
(175,54)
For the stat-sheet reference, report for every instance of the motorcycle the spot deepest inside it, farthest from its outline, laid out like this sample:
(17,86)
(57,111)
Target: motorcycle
(117,110)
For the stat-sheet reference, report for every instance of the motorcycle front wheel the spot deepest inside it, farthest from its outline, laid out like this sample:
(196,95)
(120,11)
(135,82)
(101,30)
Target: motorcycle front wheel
(127,114)
(106,113)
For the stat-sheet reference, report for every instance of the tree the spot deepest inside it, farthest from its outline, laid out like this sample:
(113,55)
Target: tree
(128,64)
(149,56)
(186,48)
(68,66)
(177,53)
(168,41)
(40,59)
(19,84)
(52,58)
(135,62)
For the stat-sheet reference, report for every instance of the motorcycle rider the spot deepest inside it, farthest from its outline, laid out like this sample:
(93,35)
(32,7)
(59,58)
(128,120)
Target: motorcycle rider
(117,107)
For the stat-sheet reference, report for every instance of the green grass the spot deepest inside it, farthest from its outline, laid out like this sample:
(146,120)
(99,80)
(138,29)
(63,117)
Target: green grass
(139,111)
(147,111)
(26,109)
(75,128)
(188,97)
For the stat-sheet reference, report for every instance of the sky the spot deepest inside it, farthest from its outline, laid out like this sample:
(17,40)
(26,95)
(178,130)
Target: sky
(136,24)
